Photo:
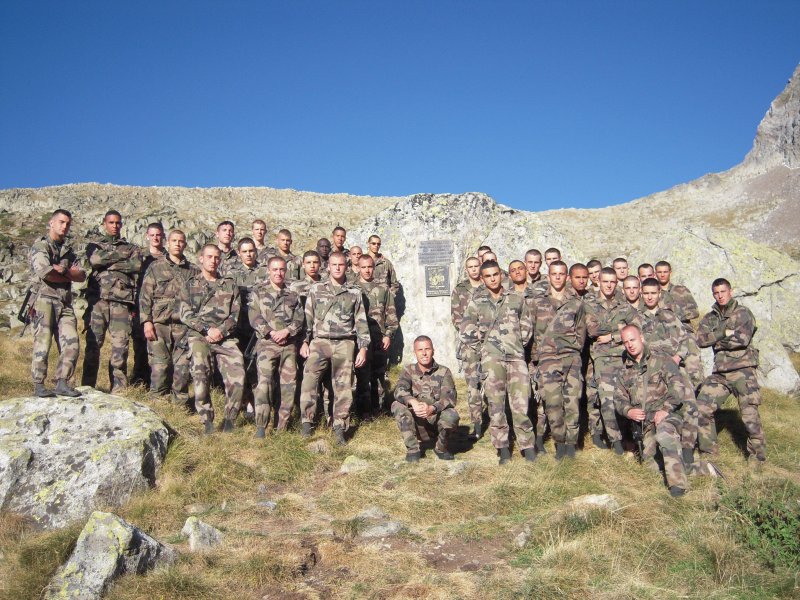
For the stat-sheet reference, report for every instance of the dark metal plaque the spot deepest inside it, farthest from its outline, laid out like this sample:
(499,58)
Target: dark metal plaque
(435,252)
(437,280)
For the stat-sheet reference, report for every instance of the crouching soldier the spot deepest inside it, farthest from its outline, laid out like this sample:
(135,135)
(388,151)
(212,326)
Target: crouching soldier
(210,309)
(425,398)
(650,391)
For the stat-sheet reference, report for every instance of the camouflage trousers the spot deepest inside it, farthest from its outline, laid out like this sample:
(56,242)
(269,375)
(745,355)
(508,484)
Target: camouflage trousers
(562,386)
(371,379)
(508,378)
(54,318)
(691,417)
(537,398)
(470,361)
(338,354)
(443,424)
(666,436)
(743,384)
(277,378)
(229,360)
(141,352)
(169,360)
(602,414)
(693,363)
(115,318)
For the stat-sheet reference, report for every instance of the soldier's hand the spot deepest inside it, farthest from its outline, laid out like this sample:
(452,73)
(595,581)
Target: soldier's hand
(150,332)
(387,341)
(304,350)
(729,332)
(361,358)
(214,335)
(279,336)
(604,339)
(676,359)
(76,273)
(636,414)
(660,416)
(59,269)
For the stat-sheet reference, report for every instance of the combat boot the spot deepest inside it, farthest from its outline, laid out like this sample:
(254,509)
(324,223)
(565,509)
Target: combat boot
(569,451)
(413,457)
(687,455)
(64,389)
(338,434)
(209,428)
(560,451)
(42,392)
(261,433)
(307,430)
(529,454)
(617,448)
(443,454)
(477,430)
(676,492)
(598,442)
(540,445)
(227,426)
(505,456)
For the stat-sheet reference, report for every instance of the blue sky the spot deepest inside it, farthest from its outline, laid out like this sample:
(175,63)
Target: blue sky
(539,104)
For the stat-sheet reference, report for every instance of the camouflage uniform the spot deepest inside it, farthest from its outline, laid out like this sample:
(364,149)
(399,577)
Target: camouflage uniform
(382,321)
(227,260)
(498,330)
(335,321)
(158,304)
(679,299)
(435,388)
(469,358)
(273,309)
(294,263)
(558,345)
(141,365)
(54,314)
(735,364)
(203,305)
(384,273)
(111,293)
(301,288)
(655,383)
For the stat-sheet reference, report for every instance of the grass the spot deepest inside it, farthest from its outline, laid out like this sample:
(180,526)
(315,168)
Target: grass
(459,526)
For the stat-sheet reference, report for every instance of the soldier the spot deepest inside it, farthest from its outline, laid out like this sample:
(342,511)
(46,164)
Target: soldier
(506,281)
(551,255)
(311,266)
(335,322)
(276,315)
(283,249)
(631,290)
(382,321)
(354,273)
(425,397)
(338,238)
(225,234)
(111,294)
(645,271)
(323,249)
(728,329)
(594,266)
(620,266)
(384,271)
(209,306)
(470,359)
(498,325)
(559,342)
(155,249)
(482,250)
(259,231)
(159,310)
(680,300)
(605,316)
(536,281)
(54,266)
(518,276)
(650,391)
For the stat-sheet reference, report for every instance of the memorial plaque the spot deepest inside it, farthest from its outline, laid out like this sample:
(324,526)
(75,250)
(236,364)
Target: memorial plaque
(437,280)
(435,252)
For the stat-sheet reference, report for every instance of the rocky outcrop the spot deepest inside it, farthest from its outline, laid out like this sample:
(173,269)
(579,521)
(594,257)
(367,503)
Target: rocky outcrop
(107,548)
(62,458)
(201,536)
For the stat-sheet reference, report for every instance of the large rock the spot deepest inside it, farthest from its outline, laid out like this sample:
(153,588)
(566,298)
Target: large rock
(62,458)
(202,536)
(108,547)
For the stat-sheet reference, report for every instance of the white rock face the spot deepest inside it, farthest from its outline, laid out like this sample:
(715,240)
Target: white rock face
(61,458)
(108,547)
(202,536)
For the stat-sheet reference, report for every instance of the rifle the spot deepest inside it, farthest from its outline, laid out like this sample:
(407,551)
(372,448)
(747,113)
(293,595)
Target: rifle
(250,353)
(27,312)
(638,438)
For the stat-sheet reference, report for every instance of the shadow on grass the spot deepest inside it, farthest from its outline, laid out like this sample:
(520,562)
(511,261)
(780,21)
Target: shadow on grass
(729,419)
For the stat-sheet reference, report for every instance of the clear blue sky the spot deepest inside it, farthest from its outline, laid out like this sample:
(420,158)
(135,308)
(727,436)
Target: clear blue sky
(539,104)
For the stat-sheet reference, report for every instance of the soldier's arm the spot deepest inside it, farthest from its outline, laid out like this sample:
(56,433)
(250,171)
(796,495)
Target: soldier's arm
(470,330)
(311,300)
(256,317)
(681,339)
(229,324)
(622,398)
(402,389)
(743,327)
(447,393)
(362,326)
(391,324)
(297,321)
(391,279)
(187,314)
(711,330)
(677,393)
(456,308)
(687,305)
(580,324)
(527,319)
(593,323)
(146,296)
(42,268)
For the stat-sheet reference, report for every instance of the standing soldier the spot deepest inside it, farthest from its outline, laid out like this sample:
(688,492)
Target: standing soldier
(518,276)
(159,310)
(594,266)
(276,315)
(283,249)
(384,271)
(558,346)
(382,321)
(497,325)
(338,238)
(209,306)
(54,267)
(645,271)
(111,294)
(680,300)
(155,249)
(621,269)
(650,391)
(353,273)
(470,359)
(225,234)
(728,329)
(425,396)
(533,262)
(335,323)
(323,249)
(259,231)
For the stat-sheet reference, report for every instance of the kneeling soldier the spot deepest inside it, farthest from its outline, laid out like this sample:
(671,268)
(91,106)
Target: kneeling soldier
(650,391)
(425,397)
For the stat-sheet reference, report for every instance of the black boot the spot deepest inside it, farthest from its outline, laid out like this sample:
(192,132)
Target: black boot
(64,389)
(505,456)
(477,430)
(529,454)
(617,447)
(687,454)
(42,392)
(209,428)
(598,442)
(569,451)
(540,445)
(676,492)
(307,430)
(227,426)
(261,432)
(413,457)
(338,433)
(560,451)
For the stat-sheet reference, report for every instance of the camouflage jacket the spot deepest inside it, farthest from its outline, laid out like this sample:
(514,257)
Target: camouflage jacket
(731,352)
(227,260)
(43,256)
(246,278)
(206,304)
(434,387)
(336,313)
(540,287)
(604,317)
(560,325)
(294,263)
(459,300)
(384,273)
(497,328)
(271,309)
(664,333)
(379,306)
(161,288)
(301,287)
(655,383)
(679,300)
(353,276)
(115,264)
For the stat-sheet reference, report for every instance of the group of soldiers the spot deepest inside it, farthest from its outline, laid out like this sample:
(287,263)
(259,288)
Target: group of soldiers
(624,344)
(259,319)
